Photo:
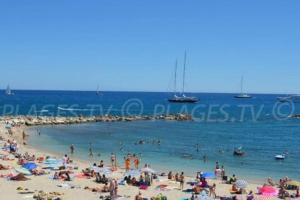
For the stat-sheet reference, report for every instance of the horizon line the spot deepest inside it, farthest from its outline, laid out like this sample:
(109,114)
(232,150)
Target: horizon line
(150,91)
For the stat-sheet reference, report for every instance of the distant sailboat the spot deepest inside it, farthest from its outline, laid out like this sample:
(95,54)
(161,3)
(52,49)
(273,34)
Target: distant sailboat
(175,80)
(8,91)
(98,91)
(183,98)
(243,95)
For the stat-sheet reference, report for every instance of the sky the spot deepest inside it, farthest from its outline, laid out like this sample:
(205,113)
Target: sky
(132,45)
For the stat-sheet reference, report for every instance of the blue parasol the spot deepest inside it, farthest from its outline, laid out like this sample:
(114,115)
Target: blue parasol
(29,166)
(133,173)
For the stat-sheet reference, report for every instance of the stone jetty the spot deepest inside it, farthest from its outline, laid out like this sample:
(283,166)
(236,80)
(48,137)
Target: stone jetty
(47,120)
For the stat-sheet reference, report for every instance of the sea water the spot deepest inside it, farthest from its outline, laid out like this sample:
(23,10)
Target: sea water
(260,125)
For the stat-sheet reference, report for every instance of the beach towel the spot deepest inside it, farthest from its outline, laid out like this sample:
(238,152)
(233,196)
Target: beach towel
(52,178)
(66,186)
(121,198)
(2,167)
(54,162)
(6,175)
(143,187)
(162,187)
(81,175)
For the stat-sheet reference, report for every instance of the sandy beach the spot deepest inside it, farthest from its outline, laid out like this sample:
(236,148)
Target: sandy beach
(75,189)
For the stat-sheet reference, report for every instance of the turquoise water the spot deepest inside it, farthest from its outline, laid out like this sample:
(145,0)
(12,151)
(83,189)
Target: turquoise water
(222,123)
(178,139)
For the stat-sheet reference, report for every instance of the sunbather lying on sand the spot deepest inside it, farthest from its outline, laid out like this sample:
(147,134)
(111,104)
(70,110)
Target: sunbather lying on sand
(87,172)
(38,172)
(98,189)
(65,175)
(2,167)
(19,177)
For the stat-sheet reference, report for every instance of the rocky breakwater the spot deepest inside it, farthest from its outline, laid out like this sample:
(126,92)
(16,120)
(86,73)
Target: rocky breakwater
(46,120)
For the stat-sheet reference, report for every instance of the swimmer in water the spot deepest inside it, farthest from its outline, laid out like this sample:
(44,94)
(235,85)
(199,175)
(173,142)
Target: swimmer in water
(90,150)
(72,148)
(197,147)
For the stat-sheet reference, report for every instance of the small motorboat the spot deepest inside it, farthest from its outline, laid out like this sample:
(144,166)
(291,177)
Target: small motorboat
(238,152)
(280,157)
(289,98)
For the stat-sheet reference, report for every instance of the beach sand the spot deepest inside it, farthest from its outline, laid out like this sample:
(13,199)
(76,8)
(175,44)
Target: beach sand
(44,183)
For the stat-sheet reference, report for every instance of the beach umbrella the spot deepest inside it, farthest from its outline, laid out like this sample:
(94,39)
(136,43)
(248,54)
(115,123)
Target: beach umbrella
(241,184)
(208,175)
(105,170)
(53,166)
(293,183)
(133,173)
(268,191)
(30,166)
(23,171)
(148,170)
(52,163)
(95,169)
(8,126)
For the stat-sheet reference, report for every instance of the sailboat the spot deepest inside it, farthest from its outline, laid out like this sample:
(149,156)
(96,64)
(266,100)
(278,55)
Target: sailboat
(98,91)
(243,95)
(183,98)
(8,91)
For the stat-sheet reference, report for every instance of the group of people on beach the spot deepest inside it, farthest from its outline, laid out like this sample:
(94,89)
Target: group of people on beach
(11,146)
(284,187)
(145,180)
(131,158)
(177,177)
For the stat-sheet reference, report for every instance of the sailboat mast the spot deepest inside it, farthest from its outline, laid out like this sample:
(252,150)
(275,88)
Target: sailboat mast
(8,91)
(242,83)
(98,91)
(175,78)
(183,78)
